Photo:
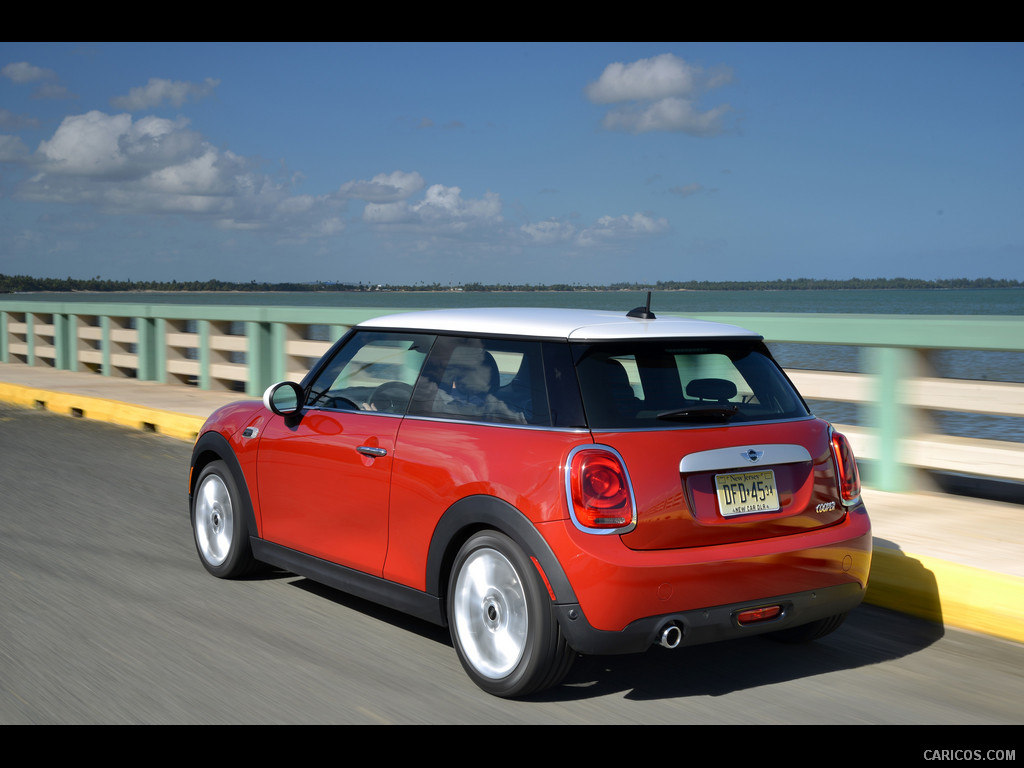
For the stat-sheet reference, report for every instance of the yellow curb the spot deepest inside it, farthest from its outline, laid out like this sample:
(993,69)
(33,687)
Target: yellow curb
(949,593)
(168,423)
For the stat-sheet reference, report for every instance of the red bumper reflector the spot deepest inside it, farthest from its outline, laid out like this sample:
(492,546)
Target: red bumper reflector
(544,577)
(758,614)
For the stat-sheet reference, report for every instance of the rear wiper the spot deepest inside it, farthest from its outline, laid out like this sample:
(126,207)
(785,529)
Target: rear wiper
(698,412)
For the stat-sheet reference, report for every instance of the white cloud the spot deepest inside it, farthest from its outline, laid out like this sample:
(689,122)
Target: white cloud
(12,149)
(659,94)
(101,145)
(155,165)
(442,209)
(386,213)
(674,115)
(605,231)
(687,190)
(87,144)
(159,90)
(23,72)
(11,121)
(646,79)
(548,232)
(125,164)
(615,228)
(447,203)
(384,187)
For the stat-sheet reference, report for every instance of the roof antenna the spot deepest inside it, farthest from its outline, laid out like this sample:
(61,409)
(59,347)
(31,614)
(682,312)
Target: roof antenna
(644,313)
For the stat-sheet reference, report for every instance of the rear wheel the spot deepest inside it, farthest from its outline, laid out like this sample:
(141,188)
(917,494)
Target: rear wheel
(805,633)
(218,523)
(501,620)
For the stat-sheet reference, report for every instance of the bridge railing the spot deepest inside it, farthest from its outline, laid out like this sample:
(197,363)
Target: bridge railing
(247,348)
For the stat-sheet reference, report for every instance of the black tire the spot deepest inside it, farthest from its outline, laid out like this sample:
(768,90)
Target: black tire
(806,633)
(501,621)
(218,524)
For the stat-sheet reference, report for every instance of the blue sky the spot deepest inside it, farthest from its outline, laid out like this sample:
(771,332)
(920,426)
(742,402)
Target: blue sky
(582,163)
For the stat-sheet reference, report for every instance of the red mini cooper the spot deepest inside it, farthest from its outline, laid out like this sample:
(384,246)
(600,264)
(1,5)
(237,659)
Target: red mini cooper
(544,483)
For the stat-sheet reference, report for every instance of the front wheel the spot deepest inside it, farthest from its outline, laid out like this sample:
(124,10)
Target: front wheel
(501,621)
(218,523)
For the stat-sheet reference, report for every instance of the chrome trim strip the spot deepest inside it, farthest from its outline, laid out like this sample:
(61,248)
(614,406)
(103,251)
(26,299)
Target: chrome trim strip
(441,419)
(502,425)
(736,457)
(323,409)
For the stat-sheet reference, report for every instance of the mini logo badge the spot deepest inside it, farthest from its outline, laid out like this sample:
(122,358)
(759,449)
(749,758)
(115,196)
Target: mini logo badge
(752,456)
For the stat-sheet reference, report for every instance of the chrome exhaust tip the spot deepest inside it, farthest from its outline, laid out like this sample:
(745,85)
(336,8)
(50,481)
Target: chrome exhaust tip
(671,636)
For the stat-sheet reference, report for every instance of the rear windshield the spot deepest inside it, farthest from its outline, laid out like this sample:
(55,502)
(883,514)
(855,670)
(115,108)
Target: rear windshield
(660,384)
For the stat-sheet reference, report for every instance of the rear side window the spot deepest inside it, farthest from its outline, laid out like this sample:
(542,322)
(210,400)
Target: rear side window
(658,384)
(488,380)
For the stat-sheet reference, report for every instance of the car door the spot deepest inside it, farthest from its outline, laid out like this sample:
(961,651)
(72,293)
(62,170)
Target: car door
(324,474)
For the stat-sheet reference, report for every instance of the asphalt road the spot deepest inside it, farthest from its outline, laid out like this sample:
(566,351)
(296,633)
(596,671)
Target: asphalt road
(106,616)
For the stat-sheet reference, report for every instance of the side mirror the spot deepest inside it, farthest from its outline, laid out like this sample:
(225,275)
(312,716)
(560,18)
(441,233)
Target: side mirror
(283,398)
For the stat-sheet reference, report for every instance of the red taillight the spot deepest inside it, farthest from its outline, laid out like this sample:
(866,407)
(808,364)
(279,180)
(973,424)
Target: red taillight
(599,490)
(846,465)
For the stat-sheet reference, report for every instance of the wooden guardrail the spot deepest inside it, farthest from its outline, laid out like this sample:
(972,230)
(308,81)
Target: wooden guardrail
(246,348)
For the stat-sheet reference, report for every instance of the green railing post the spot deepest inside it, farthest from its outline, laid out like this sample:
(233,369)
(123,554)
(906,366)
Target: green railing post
(3,337)
(891,416)
(259,358)
(278,358)
(203,328)
(105,365)
(72,342)
(30,337)
(160,350)
(145,349)
(61,342)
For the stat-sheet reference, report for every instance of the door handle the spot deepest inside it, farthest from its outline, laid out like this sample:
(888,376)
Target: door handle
(369,450)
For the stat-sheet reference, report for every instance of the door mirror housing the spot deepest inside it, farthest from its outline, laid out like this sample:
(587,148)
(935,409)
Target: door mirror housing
(284,398)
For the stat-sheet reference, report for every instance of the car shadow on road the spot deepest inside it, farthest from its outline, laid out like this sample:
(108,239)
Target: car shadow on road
(901,616)
(871,635)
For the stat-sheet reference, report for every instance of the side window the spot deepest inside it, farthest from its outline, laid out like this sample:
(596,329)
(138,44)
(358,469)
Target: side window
(372,372)
(490,380)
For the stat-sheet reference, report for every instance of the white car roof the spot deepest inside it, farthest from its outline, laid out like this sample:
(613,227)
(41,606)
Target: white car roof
(574,324)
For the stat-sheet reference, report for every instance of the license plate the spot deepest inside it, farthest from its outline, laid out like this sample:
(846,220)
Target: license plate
(741,493)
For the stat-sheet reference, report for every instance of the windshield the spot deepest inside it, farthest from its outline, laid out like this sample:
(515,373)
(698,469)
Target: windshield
(626,385)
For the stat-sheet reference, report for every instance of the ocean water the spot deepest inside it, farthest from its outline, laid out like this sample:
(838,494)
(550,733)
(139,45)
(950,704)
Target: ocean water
(966,364)
(1008,301)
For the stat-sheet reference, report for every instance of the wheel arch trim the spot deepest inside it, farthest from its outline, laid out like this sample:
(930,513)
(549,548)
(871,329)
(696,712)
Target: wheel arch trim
(475,513)
(216,446)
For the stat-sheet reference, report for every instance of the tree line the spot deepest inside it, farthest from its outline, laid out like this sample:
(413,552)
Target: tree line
(27,284)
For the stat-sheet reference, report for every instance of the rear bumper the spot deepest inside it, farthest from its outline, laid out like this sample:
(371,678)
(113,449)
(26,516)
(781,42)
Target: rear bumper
(623,599)
(707,625)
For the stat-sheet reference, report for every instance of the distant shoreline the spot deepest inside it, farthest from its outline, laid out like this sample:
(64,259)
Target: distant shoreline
(23,284)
